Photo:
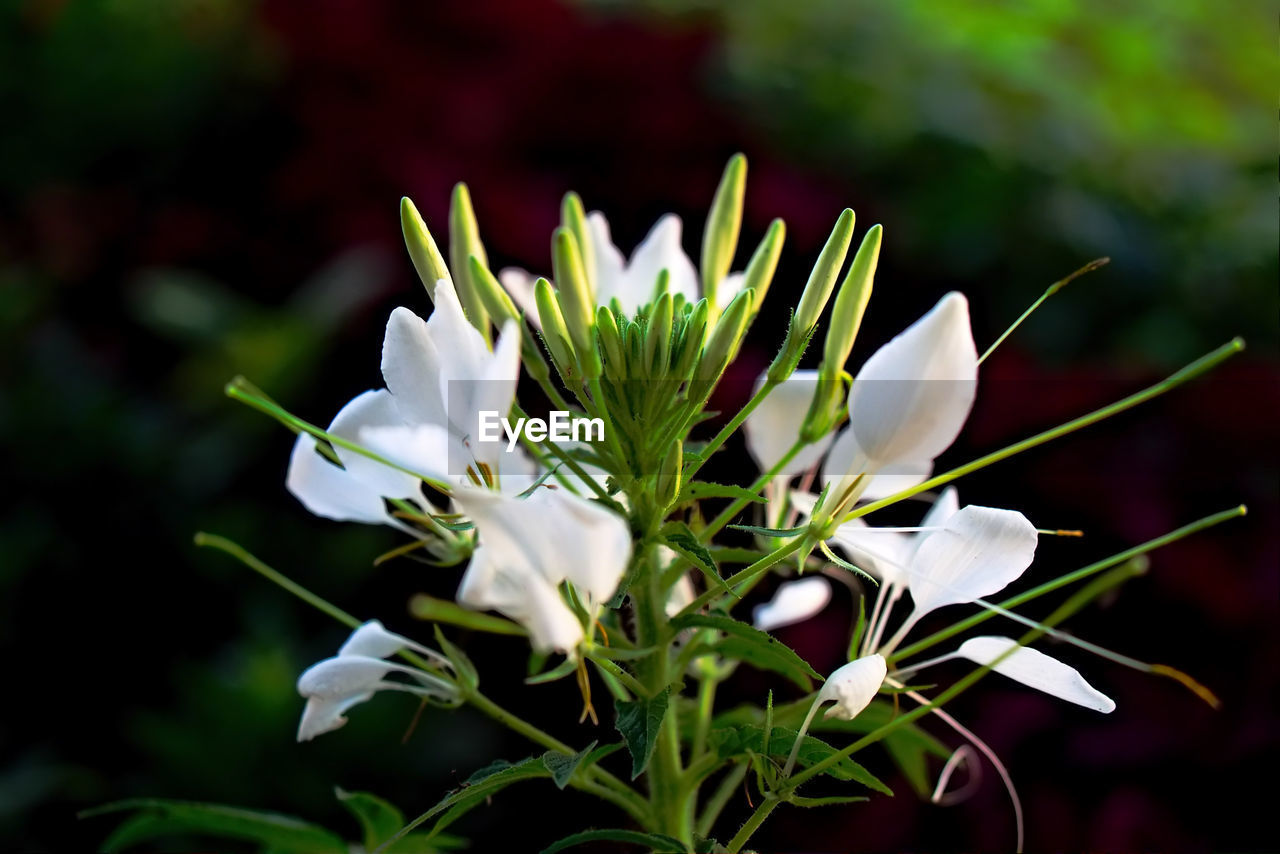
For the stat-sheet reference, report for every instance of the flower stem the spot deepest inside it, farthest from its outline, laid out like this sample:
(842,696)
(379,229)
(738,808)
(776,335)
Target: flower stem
(720,798)
(726,516)
(729,429)
(753,822)
(744,576)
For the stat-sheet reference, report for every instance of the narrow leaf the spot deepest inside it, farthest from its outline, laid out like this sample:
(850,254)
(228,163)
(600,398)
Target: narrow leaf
(653,841)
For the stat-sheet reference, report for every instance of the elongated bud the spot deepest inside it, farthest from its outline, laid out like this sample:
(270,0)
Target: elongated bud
(853,686)
(729,330)
(554,332)
(498,304)
(426,257)
(720,238)
(764,262)
(814,299)
(464,241)
(668,486)
(851,302)
(575,296)
(574,218)
(695,331)
(615,360)
(657,338)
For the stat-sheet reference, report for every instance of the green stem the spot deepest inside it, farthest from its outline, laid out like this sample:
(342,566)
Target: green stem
(1191,371)
(706,706)
(756,569)
(729,429)
(753,822)
(720,798)
(727,515)
(1070,578)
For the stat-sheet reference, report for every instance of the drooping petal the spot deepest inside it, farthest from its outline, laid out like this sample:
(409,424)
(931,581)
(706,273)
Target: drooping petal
(912,397)
(1036,670)
(320,715)
(329,491)
(372,640)
(978,552)
(853,686)
(343,676)
(775,424)
(523,594)
(794,602)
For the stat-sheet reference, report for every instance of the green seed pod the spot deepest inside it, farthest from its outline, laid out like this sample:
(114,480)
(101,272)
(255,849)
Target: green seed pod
(426,257)
(464,241)
(724,221)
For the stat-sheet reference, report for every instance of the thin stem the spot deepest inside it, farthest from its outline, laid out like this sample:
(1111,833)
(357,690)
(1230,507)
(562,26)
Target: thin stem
(1191,371)
(726,516)
(753,822)
(756,569)
(620,674)
(729,429)
(602,410)
(720,798)
(1071,577)
(706,706)
(1050,291)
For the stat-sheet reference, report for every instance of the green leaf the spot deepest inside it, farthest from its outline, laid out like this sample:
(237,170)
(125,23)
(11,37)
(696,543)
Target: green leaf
(158,818)
(639,722)
(653,841)
(560,671)
(601,752)
(686,543)
(476,790)
(735,741)
(701,489)
(424,607)
(747,643)
(841,562)
(378,819)
(771,532)
(425,843)
(562,765)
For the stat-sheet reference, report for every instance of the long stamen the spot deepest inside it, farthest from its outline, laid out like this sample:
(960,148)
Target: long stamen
(961,755)
(1052,289)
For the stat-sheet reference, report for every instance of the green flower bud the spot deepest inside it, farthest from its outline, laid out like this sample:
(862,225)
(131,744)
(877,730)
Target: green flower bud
(764,262)
(426,258)
(576,301)
(851,302)
(668,485)
(657,338)
(691,339)
(464,241)
(823,278)
(554,332)
(729,330)
(615,360)
(574,218)
(720,238)
(500,307)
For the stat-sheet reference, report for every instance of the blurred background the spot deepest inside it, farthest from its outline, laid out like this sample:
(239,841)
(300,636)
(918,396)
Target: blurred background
(196,189)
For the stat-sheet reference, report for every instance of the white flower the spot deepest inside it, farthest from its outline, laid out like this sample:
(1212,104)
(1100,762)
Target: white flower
(907,404)
(358,670)
(794,602)
(632,283)
(1035,670)
(529,546)
(853,686)
(775,424)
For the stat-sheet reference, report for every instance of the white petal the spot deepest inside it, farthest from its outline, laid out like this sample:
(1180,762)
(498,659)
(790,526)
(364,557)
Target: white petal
(912,397)
(794,602)
(884,554)
(519,286)
(320,716)
(610,264)
(978,552)
(329,491)
(730,286)
(846,461)
(1036,670)
(493,390)
(372,640)
(775,424)
(660,250)
(524,595)
(372,409)
(426,449)
(410,364)
(343,676)
(680,596)
(853,686)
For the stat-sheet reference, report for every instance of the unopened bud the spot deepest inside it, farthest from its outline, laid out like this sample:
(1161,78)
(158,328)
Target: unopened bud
(576,300)
(720,238)
(554,332)
(426,257)
(668,486)
(464,241)
(764,262)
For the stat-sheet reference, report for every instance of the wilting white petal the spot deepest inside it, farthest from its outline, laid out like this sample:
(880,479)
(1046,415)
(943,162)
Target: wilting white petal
(979,551)
(853,686)
(519,286)
(1036,670)
(373,409)
(794,602)
(329,491)
(343,676)
(911,398)
(320,716)
(774,426)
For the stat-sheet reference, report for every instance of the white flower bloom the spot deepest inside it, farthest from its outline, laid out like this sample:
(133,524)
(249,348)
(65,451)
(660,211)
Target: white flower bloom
(334,685)
(853,686)
(775,424)
(908,402)
(530,546)
(1035,670)
(794,602)
(632,283)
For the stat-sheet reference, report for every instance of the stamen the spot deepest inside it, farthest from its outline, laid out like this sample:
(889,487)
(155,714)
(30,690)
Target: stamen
(1052,289)
(1196,688)
(398,551)
(584,686)
(962,755)
(603,631)
(413,724)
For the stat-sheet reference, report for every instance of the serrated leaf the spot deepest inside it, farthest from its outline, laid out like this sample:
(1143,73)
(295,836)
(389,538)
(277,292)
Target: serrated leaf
(685,543)
(562,765)
(747,643)
(653,841)
(735,741)
(639,722)
(478,788)
(771,532)
(700,489)
(158,818)
(379,820)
